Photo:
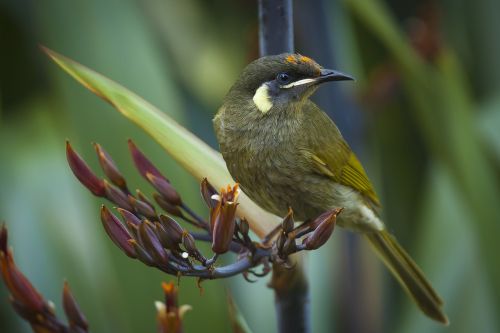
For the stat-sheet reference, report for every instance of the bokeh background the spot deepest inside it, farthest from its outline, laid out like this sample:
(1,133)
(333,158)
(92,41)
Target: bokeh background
(423,115)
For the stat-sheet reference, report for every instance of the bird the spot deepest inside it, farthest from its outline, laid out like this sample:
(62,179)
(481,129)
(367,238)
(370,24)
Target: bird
(285,152)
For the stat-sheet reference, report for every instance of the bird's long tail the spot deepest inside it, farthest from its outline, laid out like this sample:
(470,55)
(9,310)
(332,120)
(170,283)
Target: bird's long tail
(408,274)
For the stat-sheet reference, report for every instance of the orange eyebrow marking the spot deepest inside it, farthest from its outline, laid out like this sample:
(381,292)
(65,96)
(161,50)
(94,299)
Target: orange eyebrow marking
(291,59)
(305,59)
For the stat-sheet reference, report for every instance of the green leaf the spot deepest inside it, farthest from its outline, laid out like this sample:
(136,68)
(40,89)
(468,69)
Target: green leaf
(193,154)
(238,322)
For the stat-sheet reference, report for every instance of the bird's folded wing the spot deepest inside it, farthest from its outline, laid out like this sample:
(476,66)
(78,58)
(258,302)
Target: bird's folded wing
(344,168)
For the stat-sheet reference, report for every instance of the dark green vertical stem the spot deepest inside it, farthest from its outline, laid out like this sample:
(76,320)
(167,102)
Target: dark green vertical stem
(290,285)
(275,27)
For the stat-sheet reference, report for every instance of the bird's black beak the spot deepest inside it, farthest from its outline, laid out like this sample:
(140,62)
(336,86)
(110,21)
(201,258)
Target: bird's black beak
(331,75)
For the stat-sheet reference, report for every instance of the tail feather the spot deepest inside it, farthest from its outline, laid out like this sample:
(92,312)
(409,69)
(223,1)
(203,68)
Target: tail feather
(408,274)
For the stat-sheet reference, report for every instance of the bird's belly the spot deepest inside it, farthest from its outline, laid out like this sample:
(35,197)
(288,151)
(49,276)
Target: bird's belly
(276,185)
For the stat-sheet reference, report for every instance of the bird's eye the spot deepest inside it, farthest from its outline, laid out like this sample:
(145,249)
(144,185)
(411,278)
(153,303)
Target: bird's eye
(283,78)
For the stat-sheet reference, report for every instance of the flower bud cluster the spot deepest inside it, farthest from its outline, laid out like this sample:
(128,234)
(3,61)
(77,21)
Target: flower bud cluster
(158,240)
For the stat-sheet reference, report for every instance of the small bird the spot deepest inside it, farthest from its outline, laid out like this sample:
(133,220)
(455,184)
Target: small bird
(284,151)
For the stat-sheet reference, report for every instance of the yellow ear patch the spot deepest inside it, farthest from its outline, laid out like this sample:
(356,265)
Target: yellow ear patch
(262,99)
(305,59)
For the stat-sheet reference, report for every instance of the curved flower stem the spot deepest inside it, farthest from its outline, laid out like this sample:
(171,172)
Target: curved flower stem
(236,268)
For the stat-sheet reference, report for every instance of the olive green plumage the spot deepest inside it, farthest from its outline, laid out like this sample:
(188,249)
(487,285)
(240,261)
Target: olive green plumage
(286,152)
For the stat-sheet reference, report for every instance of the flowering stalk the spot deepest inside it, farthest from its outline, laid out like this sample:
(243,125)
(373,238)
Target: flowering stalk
(30,305)
(158,240)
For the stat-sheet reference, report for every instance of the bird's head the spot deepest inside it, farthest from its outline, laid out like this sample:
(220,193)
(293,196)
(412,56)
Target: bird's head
(274,82)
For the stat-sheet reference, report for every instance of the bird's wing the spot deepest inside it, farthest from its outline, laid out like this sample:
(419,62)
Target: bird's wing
(331,156)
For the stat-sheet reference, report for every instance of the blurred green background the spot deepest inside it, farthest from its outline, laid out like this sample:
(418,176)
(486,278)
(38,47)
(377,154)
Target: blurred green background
(424,116)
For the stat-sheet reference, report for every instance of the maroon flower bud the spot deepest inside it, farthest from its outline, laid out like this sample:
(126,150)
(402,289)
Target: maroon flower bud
(189,243)
(172,228)
(207,192)
(75,316)
(82,171)
(280,242)
(117,232)
(168,207)
(141,253)
(129,217)
(165,189)
(142,207)
(142,163)
(151,242)
(289,246)
(288,222)
(3,238)
(223,219)
(19,286)
(324,226)
(117,196)
(109,167)
(166,239)
(142,197)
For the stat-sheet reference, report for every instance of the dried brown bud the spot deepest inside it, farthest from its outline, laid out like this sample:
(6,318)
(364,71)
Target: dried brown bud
(223,219)
(75,316)
(280,242)
(142,163)
(109,167)
(82,171)
(169,314)
(288,222)
(173,229)
(289,247)
(165,188)
(168,207)
(19,286)
(117,196)
(324,226)
(117,232)
(207,192)
(151,242)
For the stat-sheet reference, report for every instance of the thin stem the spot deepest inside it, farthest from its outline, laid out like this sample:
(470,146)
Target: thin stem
(198,220)
(236,268)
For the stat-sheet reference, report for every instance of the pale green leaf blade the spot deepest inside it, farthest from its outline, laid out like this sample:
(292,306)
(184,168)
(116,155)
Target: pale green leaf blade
(193,154)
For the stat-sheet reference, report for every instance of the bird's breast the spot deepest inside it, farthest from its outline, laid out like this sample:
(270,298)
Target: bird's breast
(273,172)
